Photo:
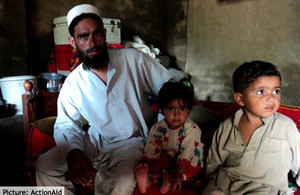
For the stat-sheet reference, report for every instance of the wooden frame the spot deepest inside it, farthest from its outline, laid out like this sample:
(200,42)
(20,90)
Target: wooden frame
(36,106)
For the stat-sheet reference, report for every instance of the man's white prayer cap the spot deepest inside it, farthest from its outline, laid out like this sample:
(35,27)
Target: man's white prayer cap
(81,9)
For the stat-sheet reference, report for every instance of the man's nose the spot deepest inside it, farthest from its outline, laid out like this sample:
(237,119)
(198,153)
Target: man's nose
(91,41)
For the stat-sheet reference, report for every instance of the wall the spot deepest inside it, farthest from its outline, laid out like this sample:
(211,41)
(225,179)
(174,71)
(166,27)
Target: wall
(221,36)
(13,48)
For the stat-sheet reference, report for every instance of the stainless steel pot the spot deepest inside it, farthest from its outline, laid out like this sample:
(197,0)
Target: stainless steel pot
(50,81)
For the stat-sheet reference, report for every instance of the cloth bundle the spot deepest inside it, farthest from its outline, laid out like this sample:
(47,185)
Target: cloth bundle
(139,44)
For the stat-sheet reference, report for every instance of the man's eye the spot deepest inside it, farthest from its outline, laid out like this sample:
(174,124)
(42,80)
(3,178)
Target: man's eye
(83,37)
(98,33)
(277,91)
(259,92)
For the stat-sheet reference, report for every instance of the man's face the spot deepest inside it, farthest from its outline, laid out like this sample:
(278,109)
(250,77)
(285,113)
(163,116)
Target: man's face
(89,39)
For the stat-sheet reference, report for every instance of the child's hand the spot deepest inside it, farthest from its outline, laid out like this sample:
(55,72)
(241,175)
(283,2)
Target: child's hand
(177,183)
(178,177)
(199,183)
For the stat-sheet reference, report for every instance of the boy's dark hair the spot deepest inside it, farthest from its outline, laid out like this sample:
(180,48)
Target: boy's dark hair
(175,90)
(248,72)
(76,20)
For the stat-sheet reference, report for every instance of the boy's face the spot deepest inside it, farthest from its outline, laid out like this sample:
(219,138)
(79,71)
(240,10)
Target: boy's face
(262,97)
(175,113)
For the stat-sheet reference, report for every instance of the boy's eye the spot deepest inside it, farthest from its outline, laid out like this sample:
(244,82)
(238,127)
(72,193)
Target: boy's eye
(183,109)
(170,108)
(259,92)
(277,91)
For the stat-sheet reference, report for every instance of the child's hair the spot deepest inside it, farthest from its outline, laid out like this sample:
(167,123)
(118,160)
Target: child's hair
(248,72)
(175,90)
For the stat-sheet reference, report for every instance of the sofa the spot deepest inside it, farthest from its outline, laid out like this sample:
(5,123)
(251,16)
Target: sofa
(207,114)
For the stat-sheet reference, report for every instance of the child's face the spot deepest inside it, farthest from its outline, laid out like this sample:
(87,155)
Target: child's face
(175,114)
(262,97)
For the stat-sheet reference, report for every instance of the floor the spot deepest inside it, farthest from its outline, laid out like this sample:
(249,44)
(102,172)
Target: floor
(12,151)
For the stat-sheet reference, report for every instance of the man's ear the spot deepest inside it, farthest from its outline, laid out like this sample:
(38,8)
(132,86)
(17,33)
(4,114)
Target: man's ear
(72,41)
(239,98)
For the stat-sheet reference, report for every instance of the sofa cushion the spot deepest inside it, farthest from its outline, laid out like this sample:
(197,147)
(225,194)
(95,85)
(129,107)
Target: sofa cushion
(45,125)
(291,111)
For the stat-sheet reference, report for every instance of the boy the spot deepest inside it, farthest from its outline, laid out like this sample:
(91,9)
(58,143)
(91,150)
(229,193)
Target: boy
(253,151)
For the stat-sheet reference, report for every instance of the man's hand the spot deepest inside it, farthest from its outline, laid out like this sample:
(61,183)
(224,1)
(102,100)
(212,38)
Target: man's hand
(80,168)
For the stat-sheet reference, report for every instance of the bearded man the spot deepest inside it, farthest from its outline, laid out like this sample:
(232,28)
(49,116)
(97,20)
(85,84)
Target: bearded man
(109,89)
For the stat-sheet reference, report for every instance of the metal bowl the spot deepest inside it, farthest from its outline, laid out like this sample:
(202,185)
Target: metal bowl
(50,81)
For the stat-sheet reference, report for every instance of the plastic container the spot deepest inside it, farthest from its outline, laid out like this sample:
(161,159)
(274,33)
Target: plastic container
(12,89)
(113,30)
(60,30)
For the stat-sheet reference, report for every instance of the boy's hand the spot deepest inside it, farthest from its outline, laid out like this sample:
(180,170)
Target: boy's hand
(80,168)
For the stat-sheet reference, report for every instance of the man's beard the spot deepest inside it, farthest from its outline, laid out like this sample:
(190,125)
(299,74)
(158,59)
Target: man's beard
(97,61)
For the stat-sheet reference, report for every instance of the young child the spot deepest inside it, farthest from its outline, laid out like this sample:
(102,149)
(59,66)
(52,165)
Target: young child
(173,152)
(253,151)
